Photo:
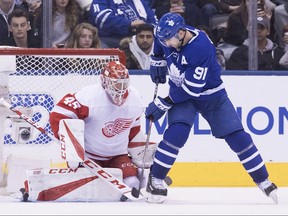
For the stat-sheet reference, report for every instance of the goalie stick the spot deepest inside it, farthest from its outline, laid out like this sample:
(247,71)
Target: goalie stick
(94,168)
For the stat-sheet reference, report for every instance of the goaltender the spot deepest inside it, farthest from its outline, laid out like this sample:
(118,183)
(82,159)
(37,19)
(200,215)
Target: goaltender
(111,112)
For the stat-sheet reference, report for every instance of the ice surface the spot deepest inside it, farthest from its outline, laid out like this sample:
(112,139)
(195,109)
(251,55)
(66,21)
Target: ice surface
(180,201)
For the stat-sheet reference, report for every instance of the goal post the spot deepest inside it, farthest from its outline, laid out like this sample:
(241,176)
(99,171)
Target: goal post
(33,80)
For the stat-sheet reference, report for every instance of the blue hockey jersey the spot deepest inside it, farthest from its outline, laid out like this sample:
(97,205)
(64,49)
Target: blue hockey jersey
(113,17)
(194,72)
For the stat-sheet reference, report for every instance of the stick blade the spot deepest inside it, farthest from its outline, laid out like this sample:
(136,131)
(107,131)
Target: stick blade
(135,192)
(168,180)
(123,198)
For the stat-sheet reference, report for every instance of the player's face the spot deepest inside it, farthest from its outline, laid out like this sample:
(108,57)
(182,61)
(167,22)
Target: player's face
(173,42)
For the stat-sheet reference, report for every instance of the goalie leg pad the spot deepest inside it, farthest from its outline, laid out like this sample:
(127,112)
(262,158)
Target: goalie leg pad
(70,184)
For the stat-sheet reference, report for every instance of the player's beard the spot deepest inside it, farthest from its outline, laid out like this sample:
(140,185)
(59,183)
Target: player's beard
(181,41)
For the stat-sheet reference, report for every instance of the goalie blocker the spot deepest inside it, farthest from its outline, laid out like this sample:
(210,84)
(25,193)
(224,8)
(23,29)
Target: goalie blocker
(75,183)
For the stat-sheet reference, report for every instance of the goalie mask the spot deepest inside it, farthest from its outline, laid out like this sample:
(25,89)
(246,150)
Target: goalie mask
(115,81)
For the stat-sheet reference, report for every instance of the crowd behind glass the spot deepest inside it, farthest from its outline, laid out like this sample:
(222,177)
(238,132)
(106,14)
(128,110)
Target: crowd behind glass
(128,25)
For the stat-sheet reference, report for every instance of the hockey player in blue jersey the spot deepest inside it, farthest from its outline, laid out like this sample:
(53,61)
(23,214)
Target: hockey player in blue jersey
(189,57)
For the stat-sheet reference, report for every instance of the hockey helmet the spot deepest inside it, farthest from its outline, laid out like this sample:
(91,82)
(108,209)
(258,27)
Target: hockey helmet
(168,26)
(115,81)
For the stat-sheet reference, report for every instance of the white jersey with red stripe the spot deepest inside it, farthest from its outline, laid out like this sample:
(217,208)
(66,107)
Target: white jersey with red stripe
(107,126)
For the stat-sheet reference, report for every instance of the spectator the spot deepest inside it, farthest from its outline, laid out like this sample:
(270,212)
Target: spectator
(85,7)
(227,6)
(226,48)
(280,20)
(27,3)
(84,35)
(271,5)
(231,36)
(210,8)
(22,3)
(84,4)
(219,53)
(236,31)
(35,16)
(269,53)
(116,20)
(66,15)
(284,59)
(6,8)
(19,25)
(190,12)
(139,48)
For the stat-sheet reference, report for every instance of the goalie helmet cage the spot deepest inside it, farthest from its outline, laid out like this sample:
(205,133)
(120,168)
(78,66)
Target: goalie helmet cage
(42,77)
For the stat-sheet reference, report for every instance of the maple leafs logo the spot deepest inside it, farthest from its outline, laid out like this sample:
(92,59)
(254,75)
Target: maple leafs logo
(175,75)
(170,22)
(113,128)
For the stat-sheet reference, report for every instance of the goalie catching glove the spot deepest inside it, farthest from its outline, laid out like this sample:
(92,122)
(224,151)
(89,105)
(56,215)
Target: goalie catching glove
(158,108)
(136,150)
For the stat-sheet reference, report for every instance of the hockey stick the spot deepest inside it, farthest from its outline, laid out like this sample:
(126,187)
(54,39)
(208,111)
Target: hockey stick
(136,192)
(4,170)
(94,168)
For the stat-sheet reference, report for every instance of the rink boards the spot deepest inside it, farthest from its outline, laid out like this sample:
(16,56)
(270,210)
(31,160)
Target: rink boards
(261,102)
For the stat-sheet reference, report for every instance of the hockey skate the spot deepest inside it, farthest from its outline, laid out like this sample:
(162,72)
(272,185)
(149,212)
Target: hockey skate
(269,189)
(156,190)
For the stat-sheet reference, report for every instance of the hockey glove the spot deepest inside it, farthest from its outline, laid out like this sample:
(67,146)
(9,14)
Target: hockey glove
(158,108)
(158,69)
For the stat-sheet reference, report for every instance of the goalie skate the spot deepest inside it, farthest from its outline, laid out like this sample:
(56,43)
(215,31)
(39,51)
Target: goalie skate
(269,189)
(156,190)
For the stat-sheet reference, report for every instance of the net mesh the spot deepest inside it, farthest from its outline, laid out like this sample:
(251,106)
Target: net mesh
(44,76)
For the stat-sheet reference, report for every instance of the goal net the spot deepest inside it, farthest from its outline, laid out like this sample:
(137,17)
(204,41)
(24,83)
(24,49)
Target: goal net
(33,80)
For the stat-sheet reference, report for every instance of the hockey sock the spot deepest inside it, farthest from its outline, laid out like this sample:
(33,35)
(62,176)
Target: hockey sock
(175,137)
(253,163)
(248,154)
(164,159)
